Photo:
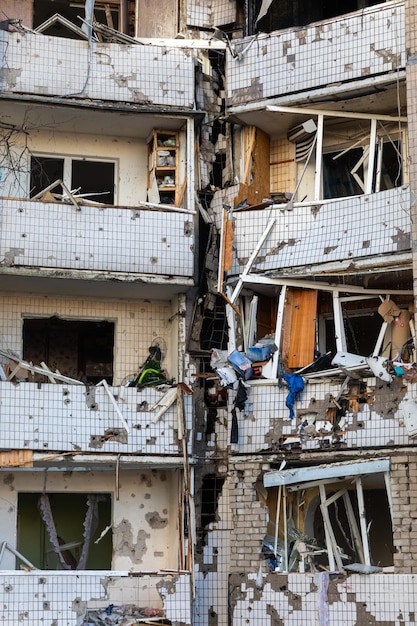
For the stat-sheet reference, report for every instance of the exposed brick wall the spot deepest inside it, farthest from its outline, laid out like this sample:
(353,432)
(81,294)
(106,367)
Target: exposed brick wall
(403,476)
(249,517)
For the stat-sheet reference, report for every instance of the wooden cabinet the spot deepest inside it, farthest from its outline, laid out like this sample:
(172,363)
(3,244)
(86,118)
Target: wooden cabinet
(163,167)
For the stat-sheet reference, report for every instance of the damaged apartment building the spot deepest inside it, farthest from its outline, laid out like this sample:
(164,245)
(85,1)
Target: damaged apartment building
(208,354)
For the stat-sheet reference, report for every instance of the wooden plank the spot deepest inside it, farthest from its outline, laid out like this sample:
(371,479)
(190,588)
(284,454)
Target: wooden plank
(109,17)
(228,246)
(16,458)
(248,157)
(303,328)
(257,187)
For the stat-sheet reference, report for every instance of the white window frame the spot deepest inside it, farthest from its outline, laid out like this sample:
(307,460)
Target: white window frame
(68,159)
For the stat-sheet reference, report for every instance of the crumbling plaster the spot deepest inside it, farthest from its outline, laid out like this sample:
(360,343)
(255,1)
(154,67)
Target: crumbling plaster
(142,500)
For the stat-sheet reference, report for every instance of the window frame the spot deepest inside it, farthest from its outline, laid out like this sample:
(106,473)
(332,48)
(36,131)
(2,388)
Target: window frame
(67,160)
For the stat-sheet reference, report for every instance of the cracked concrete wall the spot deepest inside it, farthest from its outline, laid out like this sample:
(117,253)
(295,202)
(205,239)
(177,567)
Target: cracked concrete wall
(144,511)
(403,477)
(379,420)
(211,13)
(33,598)
(249,515)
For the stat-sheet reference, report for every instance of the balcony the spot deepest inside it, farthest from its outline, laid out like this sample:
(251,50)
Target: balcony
(32,596)
(54,67)
(100,420)
(98,242)
(309,594)
(326,235)
(265,424)
(362,47)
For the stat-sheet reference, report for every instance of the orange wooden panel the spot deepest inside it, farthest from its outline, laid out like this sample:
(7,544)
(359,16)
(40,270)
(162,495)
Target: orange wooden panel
(16,458)
(303,327)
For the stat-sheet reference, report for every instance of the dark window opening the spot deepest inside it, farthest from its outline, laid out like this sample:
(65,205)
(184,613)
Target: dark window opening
(43,172)
(92,180)
(210,492)
(69,513)
(340,170)
(105,13)
(379,527)
(289,13)
(391,166)
(361,331)
(338,180)
(78,349)
(214,331)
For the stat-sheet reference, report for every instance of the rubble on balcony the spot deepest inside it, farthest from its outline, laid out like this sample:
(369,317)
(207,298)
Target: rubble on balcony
(346,542)
(128,615)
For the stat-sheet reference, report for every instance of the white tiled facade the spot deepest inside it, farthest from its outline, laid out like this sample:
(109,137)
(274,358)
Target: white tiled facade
(189,511)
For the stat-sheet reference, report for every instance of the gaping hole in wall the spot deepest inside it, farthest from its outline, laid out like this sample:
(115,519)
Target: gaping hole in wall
(105,12)
(288,13)
(378,525)
(305,331)
(89,179)
(210,492)
(77,348)
(65,531)
(329,516)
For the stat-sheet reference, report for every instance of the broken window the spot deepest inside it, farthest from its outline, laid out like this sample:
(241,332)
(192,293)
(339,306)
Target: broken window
(344,171)
(92,180)
(65,531)
(104,12)
(333,516)
(76,348)
(269,15)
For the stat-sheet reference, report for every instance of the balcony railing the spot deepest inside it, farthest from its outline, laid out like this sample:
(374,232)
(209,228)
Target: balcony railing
(367,43)
(268,426)
(95,419)
(101,239)
(336,231)
(72,598)
(314,593)
(59,67)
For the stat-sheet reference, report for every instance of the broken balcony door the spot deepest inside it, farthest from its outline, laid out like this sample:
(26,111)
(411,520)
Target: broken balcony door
(299,331)
(69,513)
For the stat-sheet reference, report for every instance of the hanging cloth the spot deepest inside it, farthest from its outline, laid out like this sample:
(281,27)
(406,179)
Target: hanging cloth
(295,388)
